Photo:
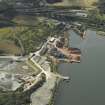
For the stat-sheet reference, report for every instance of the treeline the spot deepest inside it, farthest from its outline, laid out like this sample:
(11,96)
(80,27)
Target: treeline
(101,6)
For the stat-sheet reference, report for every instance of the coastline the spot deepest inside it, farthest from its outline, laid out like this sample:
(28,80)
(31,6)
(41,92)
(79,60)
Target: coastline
(46,93)
(58,81)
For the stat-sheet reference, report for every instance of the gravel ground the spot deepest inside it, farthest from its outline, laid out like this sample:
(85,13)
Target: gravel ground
(44,94)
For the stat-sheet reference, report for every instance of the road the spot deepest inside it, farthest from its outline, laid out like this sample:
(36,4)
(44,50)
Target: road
(14,58)
(49,73)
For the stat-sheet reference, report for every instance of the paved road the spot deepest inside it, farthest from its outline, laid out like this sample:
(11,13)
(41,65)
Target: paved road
(49,74)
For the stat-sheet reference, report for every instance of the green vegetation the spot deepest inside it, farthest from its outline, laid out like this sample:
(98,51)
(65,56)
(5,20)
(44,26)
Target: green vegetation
(77,3)
(7,46)
(96,20)
(3,6)
(95,15)
(14,98)
(101,6)
(29,33)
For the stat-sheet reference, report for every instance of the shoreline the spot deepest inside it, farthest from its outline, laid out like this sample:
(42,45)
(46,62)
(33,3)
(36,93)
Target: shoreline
(53,78)
(40,96)
(45,93)
(54,92)
(51,96)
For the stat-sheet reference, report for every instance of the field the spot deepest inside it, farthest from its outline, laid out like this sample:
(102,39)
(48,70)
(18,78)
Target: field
(27,34)
(8,46)
(81,3)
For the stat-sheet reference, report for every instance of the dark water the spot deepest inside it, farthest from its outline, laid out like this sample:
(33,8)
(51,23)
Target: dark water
(87,85)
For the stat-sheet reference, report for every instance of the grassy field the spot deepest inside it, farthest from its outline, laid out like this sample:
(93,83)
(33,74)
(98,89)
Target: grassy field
(81,3)
(8,46)
(26,36)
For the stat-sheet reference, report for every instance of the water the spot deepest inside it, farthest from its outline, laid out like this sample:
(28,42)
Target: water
(87,85)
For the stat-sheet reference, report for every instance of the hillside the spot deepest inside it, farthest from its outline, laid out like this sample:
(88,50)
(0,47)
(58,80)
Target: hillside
(82,3)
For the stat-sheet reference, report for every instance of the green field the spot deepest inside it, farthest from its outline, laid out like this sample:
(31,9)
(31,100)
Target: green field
(81,3)
(27,34)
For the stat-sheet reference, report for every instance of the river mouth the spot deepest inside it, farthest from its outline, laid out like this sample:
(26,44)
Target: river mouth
(87,78)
